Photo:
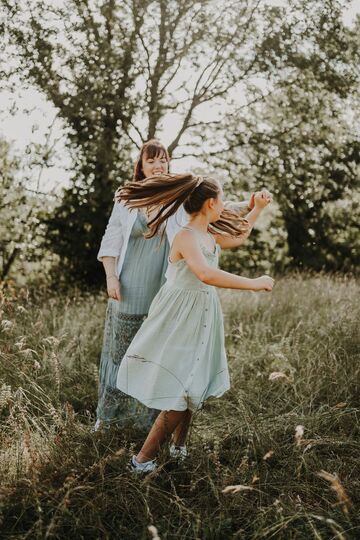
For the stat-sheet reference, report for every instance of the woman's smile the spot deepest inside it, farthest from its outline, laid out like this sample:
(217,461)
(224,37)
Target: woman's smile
(155,166)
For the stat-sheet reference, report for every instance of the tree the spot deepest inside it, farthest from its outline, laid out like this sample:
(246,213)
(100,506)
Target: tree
(114,70)
(302,139)
(21,233)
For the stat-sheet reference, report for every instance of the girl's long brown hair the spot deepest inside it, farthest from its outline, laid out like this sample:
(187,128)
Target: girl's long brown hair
(169,191)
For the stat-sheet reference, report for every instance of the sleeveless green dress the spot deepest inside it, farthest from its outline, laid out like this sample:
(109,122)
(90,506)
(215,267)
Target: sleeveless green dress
(177,359)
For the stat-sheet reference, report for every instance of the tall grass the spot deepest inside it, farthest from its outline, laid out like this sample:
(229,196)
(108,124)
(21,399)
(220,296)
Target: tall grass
(276,457)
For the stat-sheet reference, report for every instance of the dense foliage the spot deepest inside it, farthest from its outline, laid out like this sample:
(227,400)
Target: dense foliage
(116,72)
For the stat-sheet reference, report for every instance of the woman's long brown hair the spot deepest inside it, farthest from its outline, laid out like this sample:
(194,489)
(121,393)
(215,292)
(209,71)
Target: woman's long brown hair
(168,192)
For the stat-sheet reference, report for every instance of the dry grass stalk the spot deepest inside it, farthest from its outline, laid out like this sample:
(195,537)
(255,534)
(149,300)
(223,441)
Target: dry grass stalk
(336,486)
(237,488)
(56,365)
(154,532)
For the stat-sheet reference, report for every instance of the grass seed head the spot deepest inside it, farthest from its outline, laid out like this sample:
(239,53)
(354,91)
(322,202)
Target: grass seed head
(154,532)
(276,375)
(337,486)
(299,433)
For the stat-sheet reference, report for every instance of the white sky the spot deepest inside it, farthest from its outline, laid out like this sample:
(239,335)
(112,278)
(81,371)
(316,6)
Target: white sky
(22,128)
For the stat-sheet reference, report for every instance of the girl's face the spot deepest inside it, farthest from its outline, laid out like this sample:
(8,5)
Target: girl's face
(154,166)
(217,205)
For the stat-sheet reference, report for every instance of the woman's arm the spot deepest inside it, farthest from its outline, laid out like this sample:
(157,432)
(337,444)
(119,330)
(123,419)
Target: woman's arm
(187,245)
(112,239)
(261,200)
(110,249)
(242,208)
(112,281)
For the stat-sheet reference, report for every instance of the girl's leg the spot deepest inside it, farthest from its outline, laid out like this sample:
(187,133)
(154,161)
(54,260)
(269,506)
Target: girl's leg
(180,433)
(161,430)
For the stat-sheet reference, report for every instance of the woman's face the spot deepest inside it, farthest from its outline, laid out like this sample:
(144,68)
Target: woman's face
(154,166)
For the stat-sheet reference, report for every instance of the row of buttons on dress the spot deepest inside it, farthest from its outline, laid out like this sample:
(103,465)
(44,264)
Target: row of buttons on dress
(202,343)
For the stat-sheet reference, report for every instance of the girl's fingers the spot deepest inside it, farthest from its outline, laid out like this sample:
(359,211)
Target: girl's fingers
(252,200)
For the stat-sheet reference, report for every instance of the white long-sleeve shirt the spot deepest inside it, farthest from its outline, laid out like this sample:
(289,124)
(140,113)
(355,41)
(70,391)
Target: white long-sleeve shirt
(117,233)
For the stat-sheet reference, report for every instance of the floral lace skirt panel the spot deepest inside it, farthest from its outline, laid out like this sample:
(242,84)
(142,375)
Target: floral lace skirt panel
(115,407)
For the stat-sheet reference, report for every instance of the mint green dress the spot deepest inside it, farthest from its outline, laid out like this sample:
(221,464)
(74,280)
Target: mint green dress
(177,359)
(142,275)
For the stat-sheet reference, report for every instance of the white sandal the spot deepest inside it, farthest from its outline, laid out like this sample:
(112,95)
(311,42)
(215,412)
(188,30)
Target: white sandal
(178,452)
(142,468)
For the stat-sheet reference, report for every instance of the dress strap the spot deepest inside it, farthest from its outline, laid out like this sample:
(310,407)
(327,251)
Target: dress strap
(199,234)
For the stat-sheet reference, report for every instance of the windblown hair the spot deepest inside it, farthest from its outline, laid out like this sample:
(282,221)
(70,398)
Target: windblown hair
(151,149)
(169,191)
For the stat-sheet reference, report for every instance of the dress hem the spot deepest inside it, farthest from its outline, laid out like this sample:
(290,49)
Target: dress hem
(216,394)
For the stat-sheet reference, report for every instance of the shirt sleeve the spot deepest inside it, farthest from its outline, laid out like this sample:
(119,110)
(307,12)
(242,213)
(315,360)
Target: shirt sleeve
(112,240)
(241,208)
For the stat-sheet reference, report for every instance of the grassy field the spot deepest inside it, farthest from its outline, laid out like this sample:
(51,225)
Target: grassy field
(276,457)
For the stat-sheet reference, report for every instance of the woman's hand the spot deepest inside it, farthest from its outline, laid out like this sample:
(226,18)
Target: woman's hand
(264,283)
(113,287)
(262,198)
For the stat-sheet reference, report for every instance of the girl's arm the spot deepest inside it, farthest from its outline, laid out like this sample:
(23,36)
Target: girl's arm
(187,245)
(261,200)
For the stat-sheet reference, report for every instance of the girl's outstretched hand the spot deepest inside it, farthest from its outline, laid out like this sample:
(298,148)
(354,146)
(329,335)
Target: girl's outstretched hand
(252,200)
(264,283)
(262,198)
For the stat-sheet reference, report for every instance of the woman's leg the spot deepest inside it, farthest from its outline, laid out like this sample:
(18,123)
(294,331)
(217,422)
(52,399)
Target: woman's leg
(163,427)
(180,433)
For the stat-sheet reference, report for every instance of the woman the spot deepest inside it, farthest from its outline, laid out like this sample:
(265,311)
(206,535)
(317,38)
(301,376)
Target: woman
(135,269)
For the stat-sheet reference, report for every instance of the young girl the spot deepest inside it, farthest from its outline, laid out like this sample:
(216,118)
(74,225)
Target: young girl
(177,358)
